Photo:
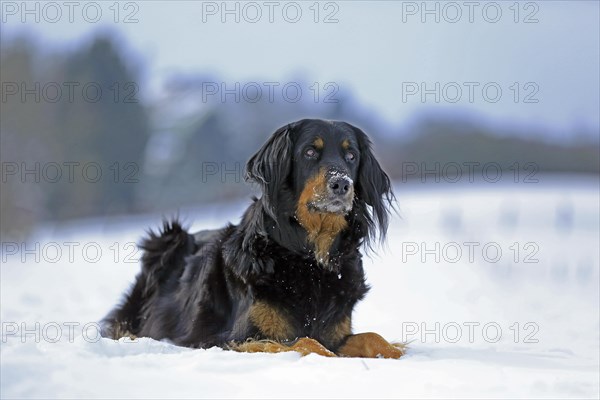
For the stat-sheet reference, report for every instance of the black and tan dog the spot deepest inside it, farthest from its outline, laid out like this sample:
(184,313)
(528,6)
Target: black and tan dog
(289,275)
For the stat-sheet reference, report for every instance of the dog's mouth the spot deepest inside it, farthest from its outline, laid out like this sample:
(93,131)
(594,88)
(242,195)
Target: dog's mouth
(330,206)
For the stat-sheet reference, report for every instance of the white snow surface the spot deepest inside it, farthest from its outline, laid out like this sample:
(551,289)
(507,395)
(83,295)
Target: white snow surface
(534,325)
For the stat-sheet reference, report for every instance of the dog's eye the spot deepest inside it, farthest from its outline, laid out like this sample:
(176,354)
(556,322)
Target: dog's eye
(350,156)
(310,152)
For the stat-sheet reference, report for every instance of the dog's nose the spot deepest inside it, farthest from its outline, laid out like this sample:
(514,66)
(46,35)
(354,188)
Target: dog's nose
(339,186)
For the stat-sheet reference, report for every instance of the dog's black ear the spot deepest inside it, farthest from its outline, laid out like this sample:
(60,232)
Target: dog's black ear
(373,188)
(271,165)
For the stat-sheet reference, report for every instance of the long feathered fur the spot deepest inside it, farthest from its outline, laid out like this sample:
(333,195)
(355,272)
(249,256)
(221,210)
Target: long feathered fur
(199,289)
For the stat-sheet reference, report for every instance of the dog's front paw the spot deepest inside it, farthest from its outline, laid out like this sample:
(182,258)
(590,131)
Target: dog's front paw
(307,346)
(370,345)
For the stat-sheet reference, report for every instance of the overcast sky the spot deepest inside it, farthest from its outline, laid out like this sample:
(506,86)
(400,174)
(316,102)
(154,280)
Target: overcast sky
(381,50)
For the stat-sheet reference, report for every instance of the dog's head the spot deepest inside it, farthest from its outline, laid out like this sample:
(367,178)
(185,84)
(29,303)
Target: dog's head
(327,170)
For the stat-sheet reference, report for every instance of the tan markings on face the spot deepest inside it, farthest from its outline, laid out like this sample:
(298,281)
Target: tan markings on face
(271,322)
(345,144)
(318,143)
(322,228)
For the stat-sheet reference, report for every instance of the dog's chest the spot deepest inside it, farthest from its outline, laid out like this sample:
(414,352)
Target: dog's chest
(309,298)
(304,283)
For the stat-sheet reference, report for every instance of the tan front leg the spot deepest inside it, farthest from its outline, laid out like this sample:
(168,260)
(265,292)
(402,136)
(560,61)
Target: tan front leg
(259,346)
(303,346)
(307,346)
(370,345)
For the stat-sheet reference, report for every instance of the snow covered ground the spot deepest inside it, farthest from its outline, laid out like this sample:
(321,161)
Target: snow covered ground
(495,286)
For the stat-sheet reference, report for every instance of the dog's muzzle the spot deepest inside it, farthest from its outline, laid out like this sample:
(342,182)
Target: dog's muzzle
(337,196)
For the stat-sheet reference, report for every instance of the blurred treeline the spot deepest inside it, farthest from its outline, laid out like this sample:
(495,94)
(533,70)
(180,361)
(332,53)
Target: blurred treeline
(176,148)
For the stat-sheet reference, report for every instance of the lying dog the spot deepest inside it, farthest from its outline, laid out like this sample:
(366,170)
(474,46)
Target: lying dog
(288,276)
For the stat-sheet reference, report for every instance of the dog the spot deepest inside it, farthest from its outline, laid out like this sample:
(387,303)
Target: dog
(288,276)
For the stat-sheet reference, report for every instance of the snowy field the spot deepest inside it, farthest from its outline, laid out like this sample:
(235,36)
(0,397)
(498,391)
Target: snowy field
(496,287)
